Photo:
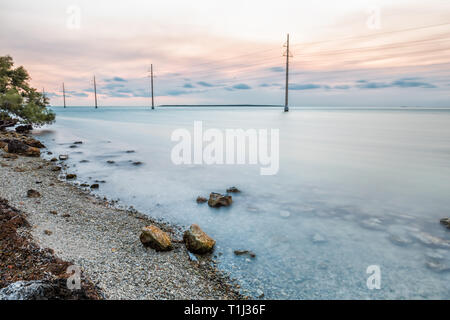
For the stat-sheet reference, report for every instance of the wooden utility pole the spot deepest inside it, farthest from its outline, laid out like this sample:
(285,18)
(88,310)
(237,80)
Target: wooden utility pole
(95,93)
(64,95)
(43,95)
(151,82)
(286,102)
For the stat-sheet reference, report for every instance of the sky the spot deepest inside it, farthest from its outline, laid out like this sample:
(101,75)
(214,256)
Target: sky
(343,53)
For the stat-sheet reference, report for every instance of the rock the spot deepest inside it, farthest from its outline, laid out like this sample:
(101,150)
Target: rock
(155,238)
(446,222)
(10,156)
(24,128)
(78,142)
(233,190)
(71,176)
(73,146)
(198,241)
(49,153)
(18,147)
(137,163)
(56,168)
(84,185)
(33,194)
(34,143)
(110,161)
(53,159)
(244,252)
(431,241)
(63,157)
(437,266)
(48,232)
(201,199)
(217,200)
(399,240)
(95,186)
(318,238)
(130,151)
(53,212)
(84,161)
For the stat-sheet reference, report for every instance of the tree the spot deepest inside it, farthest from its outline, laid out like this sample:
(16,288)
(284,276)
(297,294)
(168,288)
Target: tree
(20,103)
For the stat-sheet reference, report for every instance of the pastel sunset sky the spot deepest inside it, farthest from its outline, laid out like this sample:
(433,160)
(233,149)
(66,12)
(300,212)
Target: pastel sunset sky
(344,53)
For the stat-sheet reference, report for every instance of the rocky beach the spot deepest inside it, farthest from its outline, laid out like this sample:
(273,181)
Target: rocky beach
(73,227)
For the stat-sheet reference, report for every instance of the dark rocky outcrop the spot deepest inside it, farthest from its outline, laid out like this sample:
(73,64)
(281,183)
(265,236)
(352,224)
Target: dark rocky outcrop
(218,200)
(24,128)
(446,222)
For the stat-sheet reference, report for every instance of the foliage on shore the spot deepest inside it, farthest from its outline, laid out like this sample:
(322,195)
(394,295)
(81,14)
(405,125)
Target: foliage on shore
(19,102)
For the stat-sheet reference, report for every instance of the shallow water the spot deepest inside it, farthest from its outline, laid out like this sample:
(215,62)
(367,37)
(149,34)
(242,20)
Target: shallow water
(356,187)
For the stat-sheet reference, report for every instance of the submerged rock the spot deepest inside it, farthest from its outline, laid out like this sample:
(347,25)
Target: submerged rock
(446,222)
(218,200)
(197,241)
(201,199)
(53,159)
(33,194)
(110,161)
(63,157)
(78,142)
(244,252)
(437,266)
(431,241)
(137,163)
(233,190)
(95,186)
(155,238)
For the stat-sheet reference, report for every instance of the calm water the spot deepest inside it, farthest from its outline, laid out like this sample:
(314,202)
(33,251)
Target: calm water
(356,187)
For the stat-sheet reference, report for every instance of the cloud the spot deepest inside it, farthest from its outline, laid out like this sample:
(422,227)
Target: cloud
(241,86)
(277,69)
(304,86)
(177,92)
(116,79)
(267,85)
(342,87)
(205,84)
(188,86)
(76,94)
(401,83)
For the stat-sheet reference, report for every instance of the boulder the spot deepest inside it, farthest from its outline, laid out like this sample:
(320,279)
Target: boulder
(198,241)
(94,186)
(233,190)
(18,147)
(71,176)
(218,200)
(446,222)
(155,238)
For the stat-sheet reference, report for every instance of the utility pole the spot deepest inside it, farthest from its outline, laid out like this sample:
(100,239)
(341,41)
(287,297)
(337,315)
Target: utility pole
(151,87)
(43,95)
(64,95)
(95,93)
(286,101)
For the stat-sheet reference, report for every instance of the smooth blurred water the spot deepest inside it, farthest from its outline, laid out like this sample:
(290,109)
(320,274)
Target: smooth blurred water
(349,181)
